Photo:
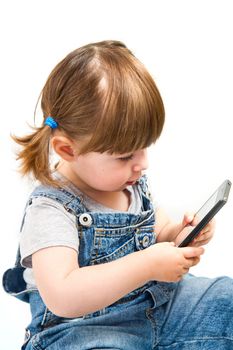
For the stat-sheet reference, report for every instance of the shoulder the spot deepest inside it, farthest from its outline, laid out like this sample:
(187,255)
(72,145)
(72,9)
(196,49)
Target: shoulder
(43,209)
(46,223)
(44,202)
(57,198)
(57,194)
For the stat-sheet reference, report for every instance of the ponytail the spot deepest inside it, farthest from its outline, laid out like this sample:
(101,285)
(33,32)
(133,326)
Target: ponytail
(35,155)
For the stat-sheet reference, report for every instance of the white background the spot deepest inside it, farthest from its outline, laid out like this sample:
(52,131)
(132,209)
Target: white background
(187,47)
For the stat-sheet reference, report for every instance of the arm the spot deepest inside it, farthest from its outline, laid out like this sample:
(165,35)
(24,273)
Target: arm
(71,291)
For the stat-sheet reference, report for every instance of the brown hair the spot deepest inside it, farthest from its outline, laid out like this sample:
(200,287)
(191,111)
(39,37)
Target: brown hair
(100,90)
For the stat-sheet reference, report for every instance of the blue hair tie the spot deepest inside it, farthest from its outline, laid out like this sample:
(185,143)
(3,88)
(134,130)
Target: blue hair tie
(51,122)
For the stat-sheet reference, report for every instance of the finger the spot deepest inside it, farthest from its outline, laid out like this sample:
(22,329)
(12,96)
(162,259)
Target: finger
(212,223)
(191,252)
(195,261)
(188,218)
(192,262)
(202,237)
(209,227)
(206,229)
(200,243)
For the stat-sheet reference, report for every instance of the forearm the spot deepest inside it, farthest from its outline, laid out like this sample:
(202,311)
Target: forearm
(85,290)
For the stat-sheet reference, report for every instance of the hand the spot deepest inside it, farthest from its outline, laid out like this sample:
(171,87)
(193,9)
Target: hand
(205,234)
(168,263)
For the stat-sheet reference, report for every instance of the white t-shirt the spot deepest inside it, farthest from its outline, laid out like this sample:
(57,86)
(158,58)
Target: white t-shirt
(48,224)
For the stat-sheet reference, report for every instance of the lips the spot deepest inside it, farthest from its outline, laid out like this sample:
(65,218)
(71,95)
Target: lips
(130,183)
(133,182)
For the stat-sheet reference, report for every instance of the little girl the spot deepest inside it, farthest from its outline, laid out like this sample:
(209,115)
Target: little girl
(98,263)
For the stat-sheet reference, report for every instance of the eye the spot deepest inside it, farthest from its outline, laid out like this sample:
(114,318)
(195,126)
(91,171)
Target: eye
(126,158)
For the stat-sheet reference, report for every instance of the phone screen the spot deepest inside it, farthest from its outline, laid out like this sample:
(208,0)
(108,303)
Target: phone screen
(205,209)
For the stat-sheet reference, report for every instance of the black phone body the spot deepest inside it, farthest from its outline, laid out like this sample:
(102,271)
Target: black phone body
(207,212)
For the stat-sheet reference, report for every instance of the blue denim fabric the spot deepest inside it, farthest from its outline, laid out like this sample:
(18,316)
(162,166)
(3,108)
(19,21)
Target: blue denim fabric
(196,313)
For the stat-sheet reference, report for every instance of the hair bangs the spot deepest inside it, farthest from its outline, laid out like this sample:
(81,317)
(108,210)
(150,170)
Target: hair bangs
(132,114)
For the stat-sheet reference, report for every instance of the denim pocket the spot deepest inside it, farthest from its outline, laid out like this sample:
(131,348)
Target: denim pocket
(51,320)
(144,237)
(112,244)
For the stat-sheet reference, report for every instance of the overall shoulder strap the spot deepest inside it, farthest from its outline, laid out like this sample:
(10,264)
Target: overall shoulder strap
(145,193)
(13,281)
(143,184)
(69,201)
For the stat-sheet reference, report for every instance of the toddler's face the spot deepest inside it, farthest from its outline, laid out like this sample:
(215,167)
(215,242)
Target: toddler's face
(109,172)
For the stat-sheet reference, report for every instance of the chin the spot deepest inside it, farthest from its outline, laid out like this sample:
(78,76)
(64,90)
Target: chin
(112,187)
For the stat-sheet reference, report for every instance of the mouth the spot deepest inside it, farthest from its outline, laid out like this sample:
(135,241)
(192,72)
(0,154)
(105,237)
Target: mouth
(133,182)
(130,183)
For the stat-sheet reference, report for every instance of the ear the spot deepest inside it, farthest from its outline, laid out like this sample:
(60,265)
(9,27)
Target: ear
(63,147)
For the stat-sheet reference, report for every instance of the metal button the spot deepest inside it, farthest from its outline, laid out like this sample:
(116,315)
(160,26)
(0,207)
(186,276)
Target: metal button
(85,220)
(145,241)
(27,336)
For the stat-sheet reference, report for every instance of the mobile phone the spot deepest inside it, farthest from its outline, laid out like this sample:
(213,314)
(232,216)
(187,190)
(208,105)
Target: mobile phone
(205,213)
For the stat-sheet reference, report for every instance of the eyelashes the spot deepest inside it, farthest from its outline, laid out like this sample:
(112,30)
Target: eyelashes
(127,158)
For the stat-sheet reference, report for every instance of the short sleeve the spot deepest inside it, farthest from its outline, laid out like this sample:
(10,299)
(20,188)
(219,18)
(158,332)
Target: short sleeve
(46,224)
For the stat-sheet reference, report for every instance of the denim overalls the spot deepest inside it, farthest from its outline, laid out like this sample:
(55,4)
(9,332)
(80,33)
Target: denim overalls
(196,313)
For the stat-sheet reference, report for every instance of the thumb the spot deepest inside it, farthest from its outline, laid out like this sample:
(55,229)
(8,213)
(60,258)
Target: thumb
(191,252)
(188,218)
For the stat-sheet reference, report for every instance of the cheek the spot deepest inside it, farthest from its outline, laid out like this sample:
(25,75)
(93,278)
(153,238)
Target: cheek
(106,178)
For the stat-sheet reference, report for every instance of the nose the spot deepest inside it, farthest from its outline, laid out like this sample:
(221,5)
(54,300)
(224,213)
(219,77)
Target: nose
(141,161)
